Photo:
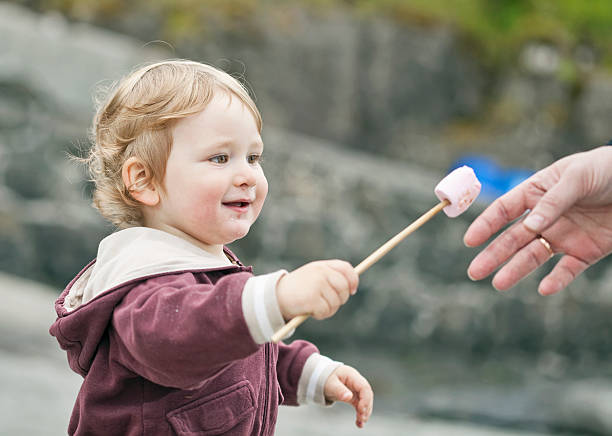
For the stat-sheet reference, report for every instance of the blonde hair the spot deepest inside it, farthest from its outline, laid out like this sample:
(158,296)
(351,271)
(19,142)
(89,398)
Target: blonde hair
(136,120)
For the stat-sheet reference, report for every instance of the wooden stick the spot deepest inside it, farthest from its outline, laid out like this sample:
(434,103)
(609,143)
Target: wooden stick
(368,262)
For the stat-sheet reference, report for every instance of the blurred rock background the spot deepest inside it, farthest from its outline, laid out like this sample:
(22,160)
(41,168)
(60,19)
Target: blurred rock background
(366,105)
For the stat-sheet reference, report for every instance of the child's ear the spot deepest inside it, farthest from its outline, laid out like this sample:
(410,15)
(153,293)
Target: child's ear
(136,176)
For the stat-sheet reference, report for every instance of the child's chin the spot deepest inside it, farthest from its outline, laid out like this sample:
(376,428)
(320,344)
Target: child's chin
(237,234)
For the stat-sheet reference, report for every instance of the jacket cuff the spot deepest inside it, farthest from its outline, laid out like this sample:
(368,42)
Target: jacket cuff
(311,386)
(260,306)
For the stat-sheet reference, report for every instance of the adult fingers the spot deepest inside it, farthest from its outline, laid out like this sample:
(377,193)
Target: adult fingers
(522,263)
(556,201)
(498,251)
(564,272)
(502,211)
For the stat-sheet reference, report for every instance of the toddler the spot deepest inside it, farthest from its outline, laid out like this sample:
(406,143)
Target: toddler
(170,332)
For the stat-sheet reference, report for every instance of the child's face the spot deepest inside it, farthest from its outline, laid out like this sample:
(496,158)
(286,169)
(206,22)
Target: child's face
(214,184)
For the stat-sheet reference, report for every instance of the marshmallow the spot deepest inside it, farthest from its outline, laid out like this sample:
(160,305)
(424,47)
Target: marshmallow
(460,187)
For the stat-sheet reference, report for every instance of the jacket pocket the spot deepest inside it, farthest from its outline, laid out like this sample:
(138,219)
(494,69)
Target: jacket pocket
(230,409)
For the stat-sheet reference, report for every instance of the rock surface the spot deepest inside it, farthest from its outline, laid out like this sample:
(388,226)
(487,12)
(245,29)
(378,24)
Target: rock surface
(326,200)
(341,197)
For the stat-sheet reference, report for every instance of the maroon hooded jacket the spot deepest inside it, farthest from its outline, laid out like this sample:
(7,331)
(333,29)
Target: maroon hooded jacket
(167,348)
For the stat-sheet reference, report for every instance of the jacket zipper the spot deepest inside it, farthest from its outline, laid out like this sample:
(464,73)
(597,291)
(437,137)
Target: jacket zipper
(267,394)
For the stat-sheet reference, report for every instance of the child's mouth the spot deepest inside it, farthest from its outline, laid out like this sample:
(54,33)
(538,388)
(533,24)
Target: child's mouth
(237,204)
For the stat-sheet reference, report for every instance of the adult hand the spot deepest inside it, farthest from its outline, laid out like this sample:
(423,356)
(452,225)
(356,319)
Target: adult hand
(571,208)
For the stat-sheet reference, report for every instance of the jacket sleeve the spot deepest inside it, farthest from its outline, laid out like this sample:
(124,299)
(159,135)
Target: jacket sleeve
(302,373)
(177,332)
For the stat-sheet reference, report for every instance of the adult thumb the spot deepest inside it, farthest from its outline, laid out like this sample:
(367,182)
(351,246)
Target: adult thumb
(554,203)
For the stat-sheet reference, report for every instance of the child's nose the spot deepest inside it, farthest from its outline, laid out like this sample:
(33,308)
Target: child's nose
(245,176)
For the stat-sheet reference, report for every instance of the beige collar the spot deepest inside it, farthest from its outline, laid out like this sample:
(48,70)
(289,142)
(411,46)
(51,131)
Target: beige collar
(138,252)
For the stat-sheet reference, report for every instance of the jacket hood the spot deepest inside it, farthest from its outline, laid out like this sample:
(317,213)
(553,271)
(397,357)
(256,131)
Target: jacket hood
(124,259)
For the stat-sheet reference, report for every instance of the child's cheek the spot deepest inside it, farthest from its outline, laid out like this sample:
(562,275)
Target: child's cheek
(209,204)
(261,198)
(197,201)
(262,193)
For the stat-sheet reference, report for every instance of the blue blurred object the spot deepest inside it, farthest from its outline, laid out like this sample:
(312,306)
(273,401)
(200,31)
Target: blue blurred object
(496,180)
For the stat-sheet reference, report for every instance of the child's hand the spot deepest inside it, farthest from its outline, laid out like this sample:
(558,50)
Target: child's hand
(347,385)
(317,289)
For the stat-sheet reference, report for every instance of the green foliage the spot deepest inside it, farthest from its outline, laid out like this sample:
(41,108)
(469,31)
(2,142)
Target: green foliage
(496,28)
(500,27)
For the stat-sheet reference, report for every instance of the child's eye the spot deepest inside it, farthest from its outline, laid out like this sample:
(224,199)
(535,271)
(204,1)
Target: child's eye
(219,159)
(254,158)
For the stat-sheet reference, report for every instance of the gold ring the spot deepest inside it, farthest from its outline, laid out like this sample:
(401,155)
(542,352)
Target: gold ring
(546,245)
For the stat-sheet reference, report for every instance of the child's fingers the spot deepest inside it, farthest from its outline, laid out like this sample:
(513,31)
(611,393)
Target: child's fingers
(363,396)
(339,285)
(332,295)
(346,384)
(347,270)
(326,305)
(363,402)
(333,292)
(337,391)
